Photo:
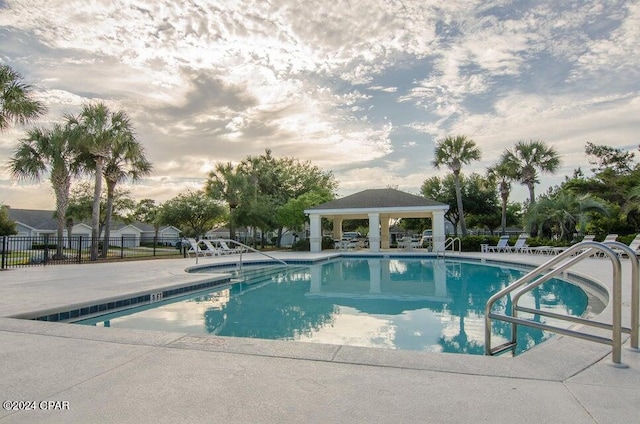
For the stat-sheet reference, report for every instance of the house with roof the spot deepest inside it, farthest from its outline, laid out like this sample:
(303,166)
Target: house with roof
(40,223)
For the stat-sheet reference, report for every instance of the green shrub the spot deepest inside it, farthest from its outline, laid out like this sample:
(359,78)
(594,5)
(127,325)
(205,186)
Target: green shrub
(301,246)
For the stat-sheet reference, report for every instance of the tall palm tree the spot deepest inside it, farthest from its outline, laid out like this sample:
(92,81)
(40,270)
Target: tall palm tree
(16,104)
(228,183)
(502,174)
(48,152)
(455,152)
(528,159)
(97,130)
(126,161)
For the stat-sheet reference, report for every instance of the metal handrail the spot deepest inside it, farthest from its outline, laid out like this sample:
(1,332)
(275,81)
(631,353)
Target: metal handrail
(450,242)
(253,250)
(529,281)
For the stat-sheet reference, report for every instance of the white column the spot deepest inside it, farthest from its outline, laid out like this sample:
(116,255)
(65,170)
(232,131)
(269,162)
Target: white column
(337,229)
(384,229)
(437,221)
(315,230)
(374,232)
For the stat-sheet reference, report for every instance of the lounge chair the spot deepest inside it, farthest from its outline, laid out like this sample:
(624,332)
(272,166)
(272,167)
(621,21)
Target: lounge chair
(634,245)
(502,246)
(225,249)
(196,250)
(521,245)
(211,248)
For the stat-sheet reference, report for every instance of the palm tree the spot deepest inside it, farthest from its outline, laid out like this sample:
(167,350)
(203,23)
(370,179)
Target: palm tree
(97,130)
(527,160)
(126,161)
(48,151)
(564,212)
(229,183)
(454,152)
(503,174)
(16,104)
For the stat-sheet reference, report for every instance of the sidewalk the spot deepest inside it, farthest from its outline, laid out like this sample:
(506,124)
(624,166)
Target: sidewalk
(118,376)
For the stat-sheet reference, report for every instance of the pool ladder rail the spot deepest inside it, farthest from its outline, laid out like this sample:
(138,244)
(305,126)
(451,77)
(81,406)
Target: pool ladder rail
(449,243)
(555,267)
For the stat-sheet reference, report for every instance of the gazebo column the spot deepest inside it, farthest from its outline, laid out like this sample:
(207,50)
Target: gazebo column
(374,232)
(337,228)
(384,229)
(437,223)
(315,233)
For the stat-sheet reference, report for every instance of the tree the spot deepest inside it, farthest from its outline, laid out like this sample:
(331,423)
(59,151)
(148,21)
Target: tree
(97,129)
(16,102)
(480,200)
(194,212)
(125,161)
(228,183)
(609,158)
(273,182)
(81,206)
(48,152)
(148,212)
(291,214)
(7,225)
(563,212)
(528,160)
(453,152)
(502,174)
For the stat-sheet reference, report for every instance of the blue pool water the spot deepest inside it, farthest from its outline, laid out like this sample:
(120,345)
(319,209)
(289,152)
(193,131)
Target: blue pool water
(430,305)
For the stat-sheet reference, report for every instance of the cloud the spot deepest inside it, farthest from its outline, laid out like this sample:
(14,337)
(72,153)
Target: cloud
(358,87)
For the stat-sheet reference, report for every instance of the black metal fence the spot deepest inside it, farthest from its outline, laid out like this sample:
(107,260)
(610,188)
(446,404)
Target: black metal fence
(21,251)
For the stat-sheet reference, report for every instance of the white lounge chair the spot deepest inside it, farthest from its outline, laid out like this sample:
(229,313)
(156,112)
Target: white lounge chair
(211,248)
(520,246)
(634,245)
(502,246)
(194,248)
(224,248)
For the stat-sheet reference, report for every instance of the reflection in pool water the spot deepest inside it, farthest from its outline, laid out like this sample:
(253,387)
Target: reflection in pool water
(430,305)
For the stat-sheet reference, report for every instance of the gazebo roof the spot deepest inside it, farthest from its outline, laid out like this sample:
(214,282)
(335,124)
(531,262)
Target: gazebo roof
(387,202)
(379,198)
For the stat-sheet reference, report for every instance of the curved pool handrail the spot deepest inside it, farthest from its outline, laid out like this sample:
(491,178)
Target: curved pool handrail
(635,287)
(527,282)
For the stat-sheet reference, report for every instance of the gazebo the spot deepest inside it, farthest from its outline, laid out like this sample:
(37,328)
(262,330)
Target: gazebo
(379,206)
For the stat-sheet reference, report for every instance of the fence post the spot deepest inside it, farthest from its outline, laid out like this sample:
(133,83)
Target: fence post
(46,248)
(4,253)
(79,249)
(121,247)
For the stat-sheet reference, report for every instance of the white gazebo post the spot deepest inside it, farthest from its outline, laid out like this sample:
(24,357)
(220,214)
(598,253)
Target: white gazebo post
(374,232)
(384,229)
(315,230)
(438,230)
(337,229)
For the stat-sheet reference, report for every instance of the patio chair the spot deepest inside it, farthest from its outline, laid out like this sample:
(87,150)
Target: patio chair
(521,245)
(196,250)
(502,246)
(211,248)
(634,245)
(224,248)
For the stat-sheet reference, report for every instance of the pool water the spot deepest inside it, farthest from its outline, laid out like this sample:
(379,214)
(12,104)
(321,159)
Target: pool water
(432,305)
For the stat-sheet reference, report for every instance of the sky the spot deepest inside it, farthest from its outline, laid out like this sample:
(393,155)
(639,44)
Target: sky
(364,89)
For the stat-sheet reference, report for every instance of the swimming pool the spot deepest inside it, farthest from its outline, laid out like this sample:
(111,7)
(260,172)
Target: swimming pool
(432,305)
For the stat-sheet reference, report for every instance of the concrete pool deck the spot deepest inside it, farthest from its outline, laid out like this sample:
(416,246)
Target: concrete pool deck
(112,375)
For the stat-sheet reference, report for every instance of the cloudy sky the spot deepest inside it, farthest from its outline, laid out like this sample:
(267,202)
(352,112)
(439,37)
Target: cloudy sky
(363,88)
